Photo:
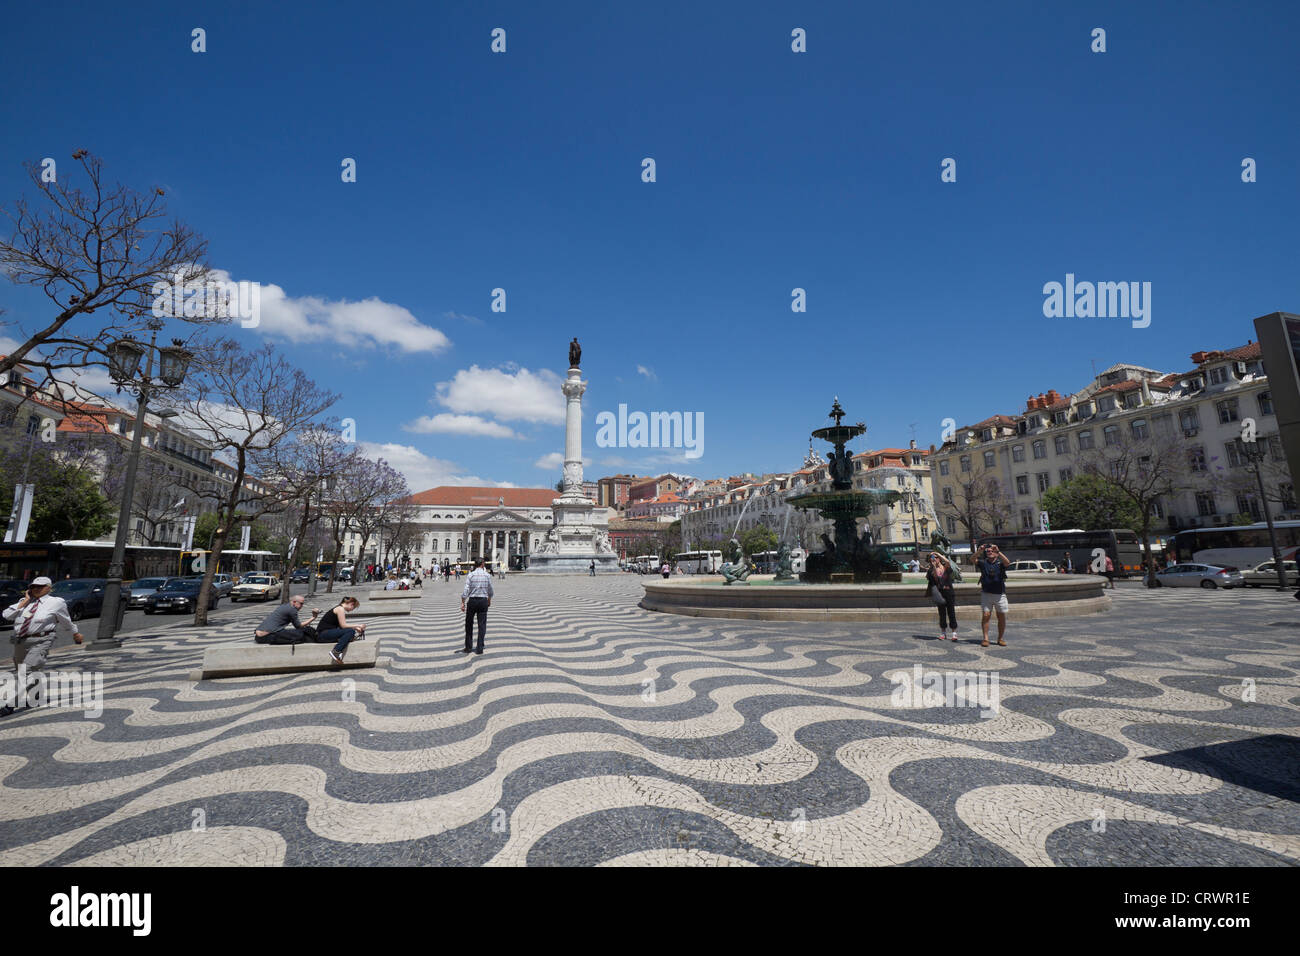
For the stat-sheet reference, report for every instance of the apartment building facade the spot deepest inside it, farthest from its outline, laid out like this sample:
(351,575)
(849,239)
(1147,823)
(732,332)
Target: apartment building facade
(1204,410)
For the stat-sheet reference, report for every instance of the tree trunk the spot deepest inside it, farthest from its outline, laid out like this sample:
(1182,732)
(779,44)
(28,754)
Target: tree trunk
(1148,560)
(334,569)
(293,558)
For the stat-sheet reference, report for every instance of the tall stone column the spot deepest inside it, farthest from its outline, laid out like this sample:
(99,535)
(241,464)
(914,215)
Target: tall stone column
(573,388)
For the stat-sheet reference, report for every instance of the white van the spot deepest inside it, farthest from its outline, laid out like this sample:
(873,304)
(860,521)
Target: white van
(1023,568)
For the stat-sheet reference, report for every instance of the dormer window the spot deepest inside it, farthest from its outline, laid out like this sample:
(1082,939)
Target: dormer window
(986,435)
(1106,404)
(1219,375)
(1132,400)
(1035,421)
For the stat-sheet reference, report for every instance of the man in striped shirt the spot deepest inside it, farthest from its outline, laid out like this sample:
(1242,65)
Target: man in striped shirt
(478,594)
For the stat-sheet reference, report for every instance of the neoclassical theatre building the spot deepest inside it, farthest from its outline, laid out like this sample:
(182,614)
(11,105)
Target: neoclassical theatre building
(461,524)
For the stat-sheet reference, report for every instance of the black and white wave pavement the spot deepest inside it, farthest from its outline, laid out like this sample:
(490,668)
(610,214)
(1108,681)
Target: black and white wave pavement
(593,732)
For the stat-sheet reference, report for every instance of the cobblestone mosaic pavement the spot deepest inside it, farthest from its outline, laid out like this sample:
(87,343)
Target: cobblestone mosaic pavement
(593,732)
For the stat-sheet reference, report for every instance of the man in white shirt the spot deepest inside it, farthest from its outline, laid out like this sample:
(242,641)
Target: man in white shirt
(38,618)
(478,593)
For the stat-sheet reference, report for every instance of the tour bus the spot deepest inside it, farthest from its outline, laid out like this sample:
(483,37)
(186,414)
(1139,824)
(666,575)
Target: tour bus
(698,562)
(1240,546)
(767,561)
(646,563)
(1122,545)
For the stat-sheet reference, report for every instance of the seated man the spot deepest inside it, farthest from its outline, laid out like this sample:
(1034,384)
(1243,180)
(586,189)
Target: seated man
(282,625)
(391,585)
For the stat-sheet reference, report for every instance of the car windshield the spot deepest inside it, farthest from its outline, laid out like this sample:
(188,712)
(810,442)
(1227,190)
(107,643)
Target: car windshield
(178,585)
(257,580)
(149,583)
(67,587)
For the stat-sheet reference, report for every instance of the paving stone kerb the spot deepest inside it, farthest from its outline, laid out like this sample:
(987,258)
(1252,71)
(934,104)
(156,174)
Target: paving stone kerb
(865,603)
(244,660)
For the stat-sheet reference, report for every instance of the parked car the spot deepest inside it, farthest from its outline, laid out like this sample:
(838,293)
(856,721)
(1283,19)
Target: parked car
(1265,575)
(84,596)
(1024,568)
(256,587)
(141,588)
(178,594)
(299,576)
(1200,575)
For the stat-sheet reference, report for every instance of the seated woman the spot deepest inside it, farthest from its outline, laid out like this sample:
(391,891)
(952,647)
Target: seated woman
(334,627)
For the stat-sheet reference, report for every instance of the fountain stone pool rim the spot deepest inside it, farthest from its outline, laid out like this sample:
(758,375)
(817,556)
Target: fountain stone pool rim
(1056,597)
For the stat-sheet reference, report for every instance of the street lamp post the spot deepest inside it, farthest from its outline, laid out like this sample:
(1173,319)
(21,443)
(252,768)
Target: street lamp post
(1254,453)
(123,362)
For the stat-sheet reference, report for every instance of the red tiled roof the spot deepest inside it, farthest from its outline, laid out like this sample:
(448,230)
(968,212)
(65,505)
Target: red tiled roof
(466,497)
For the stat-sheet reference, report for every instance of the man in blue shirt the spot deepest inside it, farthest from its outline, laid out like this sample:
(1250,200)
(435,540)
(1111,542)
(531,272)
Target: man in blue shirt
(478,594)
(992,565)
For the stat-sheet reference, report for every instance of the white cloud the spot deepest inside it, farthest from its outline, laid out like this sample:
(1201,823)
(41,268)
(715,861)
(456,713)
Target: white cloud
(509,395)
(422,471)
(368,322)
(649,461)
(448,424)
(647,372)
(550,462)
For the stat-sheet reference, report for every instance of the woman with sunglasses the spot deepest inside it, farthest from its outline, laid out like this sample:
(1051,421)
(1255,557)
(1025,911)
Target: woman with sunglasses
(939,589)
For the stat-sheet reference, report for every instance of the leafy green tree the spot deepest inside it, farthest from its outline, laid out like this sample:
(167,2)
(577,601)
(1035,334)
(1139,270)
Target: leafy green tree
(758,538)
(1090,502)
(71,509)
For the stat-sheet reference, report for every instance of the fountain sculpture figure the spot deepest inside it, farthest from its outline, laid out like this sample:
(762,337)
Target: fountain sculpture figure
(847,556)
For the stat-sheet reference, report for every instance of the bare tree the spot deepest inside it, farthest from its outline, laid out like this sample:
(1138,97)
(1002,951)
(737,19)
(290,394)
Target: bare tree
(99,251)
(246,404)
(979,504)
(364,485)
(1145,469)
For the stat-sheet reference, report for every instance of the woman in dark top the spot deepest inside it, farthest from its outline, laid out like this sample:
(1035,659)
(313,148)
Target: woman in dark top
(334,627)
(939,576)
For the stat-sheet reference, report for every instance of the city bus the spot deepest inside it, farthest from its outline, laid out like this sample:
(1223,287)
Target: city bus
(1122,545)
(767,561)
(1239,546)
(233,561)
(698,562)
(646,563)
(83,559)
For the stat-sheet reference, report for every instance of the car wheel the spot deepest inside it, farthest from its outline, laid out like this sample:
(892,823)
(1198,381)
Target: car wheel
(148,610)
(76,612)
(1207,583)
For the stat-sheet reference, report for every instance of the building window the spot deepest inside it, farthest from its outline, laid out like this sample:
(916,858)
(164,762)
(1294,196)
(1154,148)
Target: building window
(1066,474)
(1189,419)
(1044,481)
(943,467)
(1218,375)
(990,459)
(952,525)
(965,463)
(1157,509)
(1265,400)
(1111,434)
(1286,493)
(1249,504)
(1085,439)
(1040,449)
(947,497)
(1062,443)
(1227,410)
(1235,457)
(1018,453)
(1035,421)
(1022,484)
(1139,429)
(1205,505)
(1196,458)
(1132,399)
(1026,518)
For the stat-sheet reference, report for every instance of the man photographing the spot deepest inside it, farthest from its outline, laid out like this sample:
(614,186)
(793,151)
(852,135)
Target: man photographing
(992,565)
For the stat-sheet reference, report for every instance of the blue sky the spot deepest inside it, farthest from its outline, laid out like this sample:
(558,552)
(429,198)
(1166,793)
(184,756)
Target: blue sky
(775,170)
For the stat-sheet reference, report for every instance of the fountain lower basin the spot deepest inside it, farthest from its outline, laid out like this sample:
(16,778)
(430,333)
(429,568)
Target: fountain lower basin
(1063,596)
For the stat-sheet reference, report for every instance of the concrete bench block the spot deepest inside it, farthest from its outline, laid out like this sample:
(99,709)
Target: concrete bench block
(245,660)
(413,594)
(382,609)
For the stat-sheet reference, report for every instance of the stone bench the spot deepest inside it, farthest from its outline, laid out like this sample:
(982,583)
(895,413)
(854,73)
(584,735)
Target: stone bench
(413,594)
(381,609)
(251,659)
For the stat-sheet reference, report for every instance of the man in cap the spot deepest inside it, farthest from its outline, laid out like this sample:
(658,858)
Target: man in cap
(38,618)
